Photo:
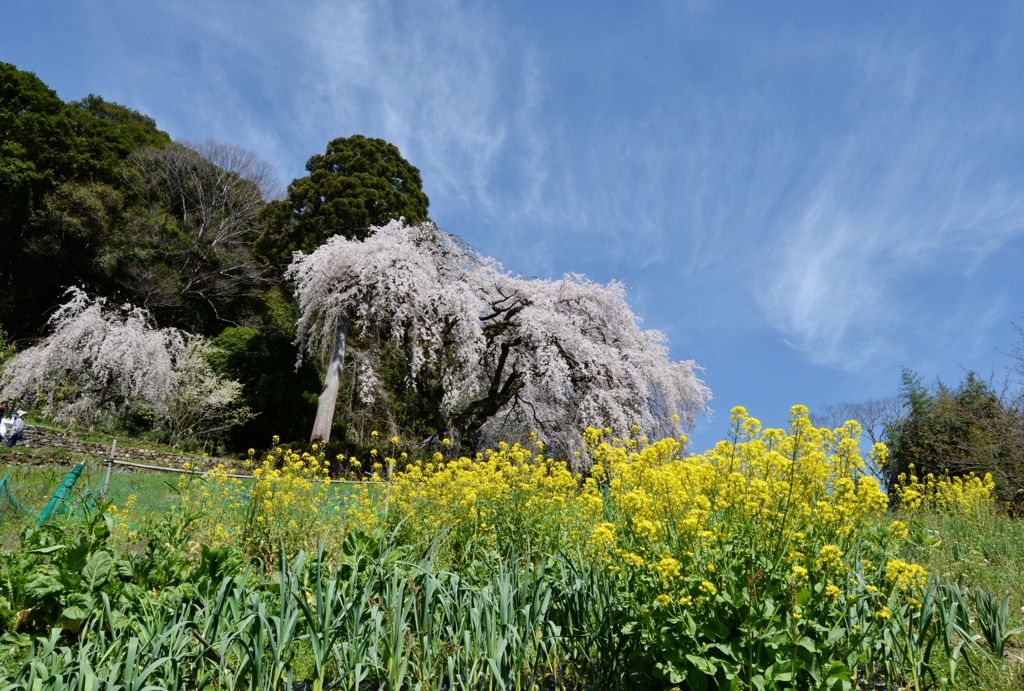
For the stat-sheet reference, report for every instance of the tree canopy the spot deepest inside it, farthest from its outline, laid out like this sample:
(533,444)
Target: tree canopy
(442,342)
(946,430)
(357,184)
(493,355)
(102,362)
(60,191)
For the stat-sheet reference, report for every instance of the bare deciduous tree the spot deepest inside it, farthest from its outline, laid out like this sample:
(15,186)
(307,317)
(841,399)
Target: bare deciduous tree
(241,162)
(188,257)
(873,415)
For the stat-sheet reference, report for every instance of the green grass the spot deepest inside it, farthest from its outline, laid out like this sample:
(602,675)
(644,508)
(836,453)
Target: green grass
(33,486)
(981,551)
(985,551)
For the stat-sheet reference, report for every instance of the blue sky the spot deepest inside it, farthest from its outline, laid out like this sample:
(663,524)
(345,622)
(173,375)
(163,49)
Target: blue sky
(805,197)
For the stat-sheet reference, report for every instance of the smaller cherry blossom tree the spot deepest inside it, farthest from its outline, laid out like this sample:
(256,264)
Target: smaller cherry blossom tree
(201,404)
(100,363)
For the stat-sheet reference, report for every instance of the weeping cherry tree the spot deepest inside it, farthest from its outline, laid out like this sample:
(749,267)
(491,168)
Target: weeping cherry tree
(401,283)
(103,362)
(498,356)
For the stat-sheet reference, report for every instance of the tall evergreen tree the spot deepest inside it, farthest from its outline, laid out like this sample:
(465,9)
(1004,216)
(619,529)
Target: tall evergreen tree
(358,183)
(956,431)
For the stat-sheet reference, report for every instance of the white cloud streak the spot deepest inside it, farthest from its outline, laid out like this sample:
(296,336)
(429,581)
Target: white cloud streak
(826,179)
(438,79)
(913,197)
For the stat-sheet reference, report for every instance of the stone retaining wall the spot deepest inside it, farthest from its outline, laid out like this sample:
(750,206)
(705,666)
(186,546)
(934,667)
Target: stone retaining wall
(41,437)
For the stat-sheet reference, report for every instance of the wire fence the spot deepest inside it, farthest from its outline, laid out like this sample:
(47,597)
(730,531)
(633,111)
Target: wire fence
(201,473)
(110,462)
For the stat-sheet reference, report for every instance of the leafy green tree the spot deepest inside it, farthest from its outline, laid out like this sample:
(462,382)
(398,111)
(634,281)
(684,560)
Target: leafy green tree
(955,431)
(283,398)
(61,192)
(357,183)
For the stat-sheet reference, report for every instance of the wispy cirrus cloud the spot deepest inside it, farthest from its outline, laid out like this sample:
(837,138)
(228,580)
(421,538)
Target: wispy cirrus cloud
(915,195)
(845,177)
(444,82)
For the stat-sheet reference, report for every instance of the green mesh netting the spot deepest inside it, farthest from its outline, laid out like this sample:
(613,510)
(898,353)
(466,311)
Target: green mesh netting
(63,490)
(9,504)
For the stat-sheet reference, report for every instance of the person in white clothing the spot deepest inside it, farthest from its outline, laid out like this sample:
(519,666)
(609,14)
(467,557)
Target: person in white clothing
(17,429)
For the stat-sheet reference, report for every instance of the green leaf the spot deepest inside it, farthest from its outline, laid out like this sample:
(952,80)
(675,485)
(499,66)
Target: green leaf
(730,650)
(76,556)
(690,625)
(673,674)
(839,671)
(835,635)
(47,550)
(73,614)
(42,587)
(97,571)
(702,664)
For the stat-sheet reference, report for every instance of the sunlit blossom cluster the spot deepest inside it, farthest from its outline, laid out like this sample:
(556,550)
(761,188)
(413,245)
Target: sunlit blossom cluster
(765,505)
(289,503)
(513,493)
(790,507)
(958,495)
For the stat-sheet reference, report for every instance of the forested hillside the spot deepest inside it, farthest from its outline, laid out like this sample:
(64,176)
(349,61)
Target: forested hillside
(93,194)
(119,237)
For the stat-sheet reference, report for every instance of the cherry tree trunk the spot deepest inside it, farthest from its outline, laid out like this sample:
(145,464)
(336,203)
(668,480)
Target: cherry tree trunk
(332,380)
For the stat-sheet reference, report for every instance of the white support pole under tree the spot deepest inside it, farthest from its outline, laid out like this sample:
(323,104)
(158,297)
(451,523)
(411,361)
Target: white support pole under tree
(332,382)
(110,466)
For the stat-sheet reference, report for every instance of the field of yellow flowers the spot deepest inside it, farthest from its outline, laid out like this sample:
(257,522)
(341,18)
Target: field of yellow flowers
(772,561)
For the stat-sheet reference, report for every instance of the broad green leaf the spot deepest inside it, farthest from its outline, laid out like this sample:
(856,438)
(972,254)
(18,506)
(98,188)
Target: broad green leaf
(42,586)
(96,572)
(835,635)
(702,664)
(839,671)
(77,607)
(76,557)
(48,550)
(73,614)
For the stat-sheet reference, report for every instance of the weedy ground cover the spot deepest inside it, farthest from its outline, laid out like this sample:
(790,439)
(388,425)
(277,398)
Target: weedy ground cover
(32,486)
(769,562)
